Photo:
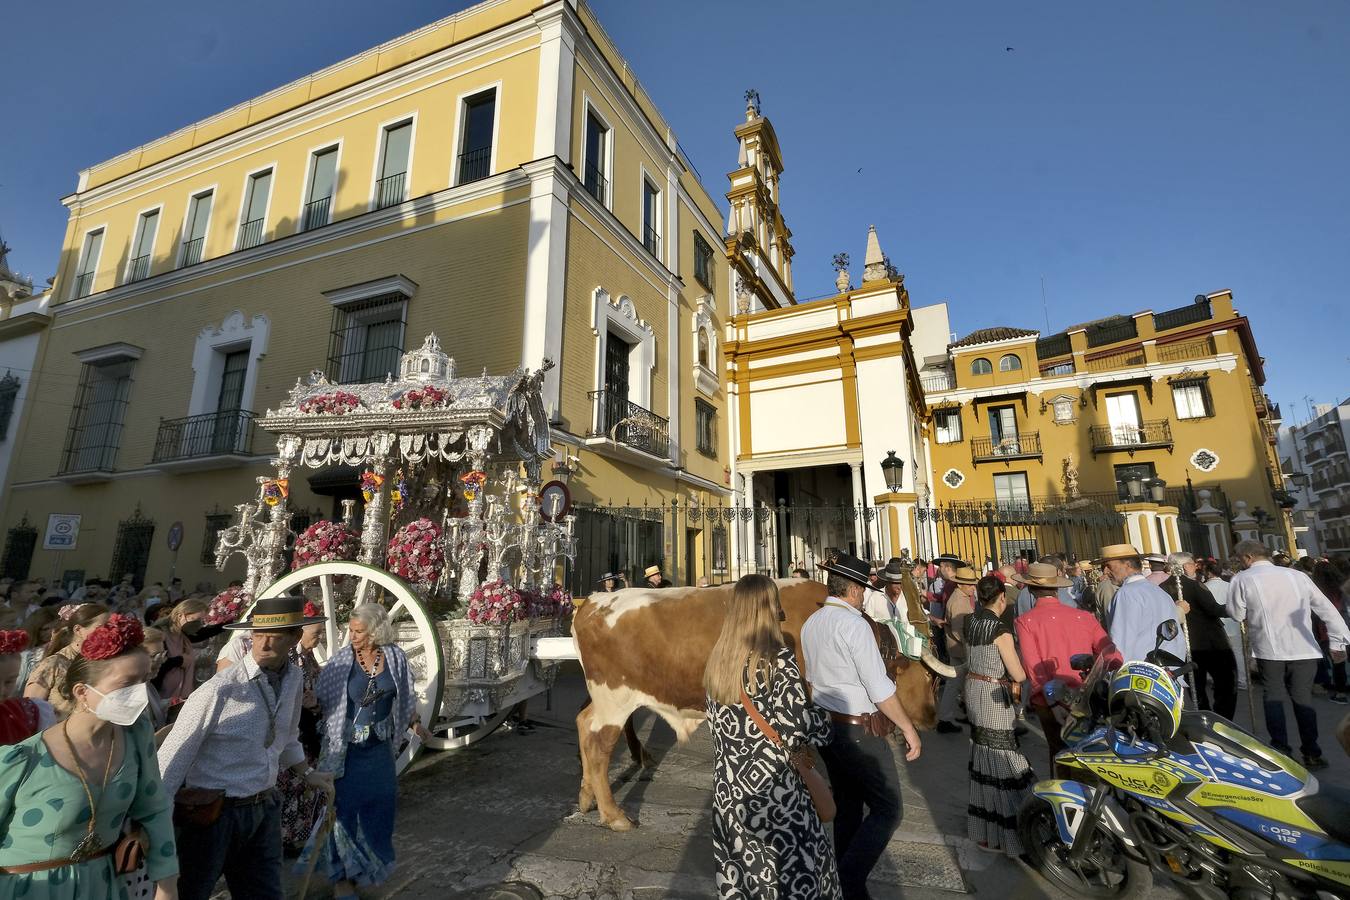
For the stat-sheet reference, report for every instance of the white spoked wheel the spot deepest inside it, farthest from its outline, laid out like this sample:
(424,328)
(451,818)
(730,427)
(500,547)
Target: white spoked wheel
(417,635)
(458,735)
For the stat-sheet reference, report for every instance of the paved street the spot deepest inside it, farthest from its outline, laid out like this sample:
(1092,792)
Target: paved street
(499,820)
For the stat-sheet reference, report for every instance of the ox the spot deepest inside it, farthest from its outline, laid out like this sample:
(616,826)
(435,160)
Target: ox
(647,648)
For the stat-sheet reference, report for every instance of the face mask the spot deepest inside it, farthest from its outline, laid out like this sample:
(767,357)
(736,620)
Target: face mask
(122,706)
(190,628)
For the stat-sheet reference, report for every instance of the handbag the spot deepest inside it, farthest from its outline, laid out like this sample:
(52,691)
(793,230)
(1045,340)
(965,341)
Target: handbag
(129,852)
(197,806)
(803,761)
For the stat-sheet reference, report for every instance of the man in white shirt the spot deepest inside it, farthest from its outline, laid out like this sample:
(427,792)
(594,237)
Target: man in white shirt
(1278,604)
(235,732)
(1138,607)
(849,679)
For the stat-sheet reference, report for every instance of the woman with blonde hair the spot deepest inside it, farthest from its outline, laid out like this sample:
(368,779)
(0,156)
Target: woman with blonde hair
(46,678)
(178,674)
(768,840)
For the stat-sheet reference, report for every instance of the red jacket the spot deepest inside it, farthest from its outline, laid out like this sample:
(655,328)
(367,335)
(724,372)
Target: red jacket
(1049,635)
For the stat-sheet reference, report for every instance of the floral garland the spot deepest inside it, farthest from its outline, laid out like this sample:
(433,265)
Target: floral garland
(554,600)
(371,482)
(338,403)
(473,483)
(496,603)
(275,490)
(227,606)
(415,552)
(15,641)
(325,541)
(428,397)
(113,638)
(398,494)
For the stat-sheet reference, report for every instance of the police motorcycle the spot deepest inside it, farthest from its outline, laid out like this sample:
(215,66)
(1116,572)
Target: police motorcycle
(1183,793)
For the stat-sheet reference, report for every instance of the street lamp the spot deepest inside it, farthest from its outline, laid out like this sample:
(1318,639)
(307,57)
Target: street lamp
(1158,488)
(1134,487)
(564,465)
(893,468)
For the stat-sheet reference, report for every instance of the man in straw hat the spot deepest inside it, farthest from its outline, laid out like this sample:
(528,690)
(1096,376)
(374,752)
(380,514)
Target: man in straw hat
(654,578)
(233,735)
(1138,607)
(890,605)
(960,604)
(849,680)
(938,595)
(1048,635)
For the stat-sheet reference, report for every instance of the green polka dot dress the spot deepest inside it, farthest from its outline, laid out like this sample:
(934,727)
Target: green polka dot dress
(44,814)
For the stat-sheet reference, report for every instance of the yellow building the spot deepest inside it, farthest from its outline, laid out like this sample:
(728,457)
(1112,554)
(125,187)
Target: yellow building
(498,177)
(1157,419)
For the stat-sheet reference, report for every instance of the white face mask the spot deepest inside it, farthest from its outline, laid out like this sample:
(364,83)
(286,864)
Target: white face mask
(122,706)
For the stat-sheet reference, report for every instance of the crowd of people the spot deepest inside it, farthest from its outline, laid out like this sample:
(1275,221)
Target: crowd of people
(138,761)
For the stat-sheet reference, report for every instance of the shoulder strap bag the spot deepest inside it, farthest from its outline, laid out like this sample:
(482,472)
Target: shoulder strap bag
(803,761)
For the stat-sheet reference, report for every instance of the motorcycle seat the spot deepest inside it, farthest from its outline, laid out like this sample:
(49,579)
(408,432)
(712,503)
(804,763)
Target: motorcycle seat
(1328,808)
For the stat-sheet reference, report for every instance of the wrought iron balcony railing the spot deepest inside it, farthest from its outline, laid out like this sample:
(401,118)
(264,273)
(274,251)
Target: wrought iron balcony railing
(475,165)
(629,424)
(250,234)
(1199,311)
(1132,437)
(139,268)
(389,190)
(192,251)
(651,240)
(595,182)
(228,433)
(938,381)
(316,213)
(1025,445)
(1055,345)
(84,282)
(1122,329)
(1183,350)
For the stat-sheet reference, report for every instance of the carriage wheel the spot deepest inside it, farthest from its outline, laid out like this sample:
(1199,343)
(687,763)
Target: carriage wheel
(416,630)
(457,736)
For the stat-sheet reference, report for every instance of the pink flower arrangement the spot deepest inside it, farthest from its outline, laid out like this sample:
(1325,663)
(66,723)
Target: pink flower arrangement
(554,600)
(325,541)
(496,603)
(428,397)
(337,403)
(415,552)
(227,606)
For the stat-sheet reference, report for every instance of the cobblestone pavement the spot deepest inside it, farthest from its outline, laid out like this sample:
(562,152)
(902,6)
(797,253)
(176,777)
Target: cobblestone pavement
(498,820)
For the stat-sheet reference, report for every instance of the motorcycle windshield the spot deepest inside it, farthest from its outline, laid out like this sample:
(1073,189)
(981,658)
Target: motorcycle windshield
(1083,707)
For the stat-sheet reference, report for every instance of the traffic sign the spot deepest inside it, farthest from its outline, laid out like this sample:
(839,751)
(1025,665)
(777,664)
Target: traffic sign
(63,532)
(175,536)
(555,501)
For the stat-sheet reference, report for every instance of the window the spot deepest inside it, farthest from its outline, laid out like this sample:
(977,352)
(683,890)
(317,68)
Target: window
(1192,400)
(705,424)
(478,123)
(84,278)
(703,261)
(651,218)
(704,350)
(96,420)
(256,194)
(981,366)
(1009,362)
(131,553)
(143,246)
(391,181)
(595,159)
(20,542)
(194,231)
(322,184)
(215,524)
(1064,410)
(1003,427)
(1010,490)
(9,394)
(367,339)
(948,422)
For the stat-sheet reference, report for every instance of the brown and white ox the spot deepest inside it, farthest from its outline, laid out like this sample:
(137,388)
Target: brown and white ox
(645,647)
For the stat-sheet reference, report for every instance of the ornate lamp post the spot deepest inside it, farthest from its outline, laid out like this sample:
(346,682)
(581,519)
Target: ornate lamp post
(1158,489)
(893,468)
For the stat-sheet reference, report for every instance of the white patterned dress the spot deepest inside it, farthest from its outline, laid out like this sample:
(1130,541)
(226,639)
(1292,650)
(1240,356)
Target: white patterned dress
(768,842)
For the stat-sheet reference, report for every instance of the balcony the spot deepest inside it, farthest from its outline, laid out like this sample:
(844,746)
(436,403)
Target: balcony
(389,190)
(1060,368)
(90,455)
(1112,331)
(1026,445)
(1125,359)
(1184,350)
(1199,311)
(595,183)
(1053,346)
(1313,456)
(208,441)
(1149,435)
(84,282)
(250,234)
(938,381)
(1259,400)
(475,165)
(192,251)
(651,240)
(630,426)
(138,268)
(316,213)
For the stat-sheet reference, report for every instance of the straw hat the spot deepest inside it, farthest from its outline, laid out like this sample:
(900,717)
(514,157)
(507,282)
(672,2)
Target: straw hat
(1117,551)
(651,571)
(276,614)
(1042,575)
(965,575)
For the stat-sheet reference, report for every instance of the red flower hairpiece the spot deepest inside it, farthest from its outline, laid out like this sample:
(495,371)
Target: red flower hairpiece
(15,641)
(311,610)
(113,638)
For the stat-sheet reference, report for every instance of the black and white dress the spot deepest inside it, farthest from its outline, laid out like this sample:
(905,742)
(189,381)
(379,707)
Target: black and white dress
(1000,775)
(767,839)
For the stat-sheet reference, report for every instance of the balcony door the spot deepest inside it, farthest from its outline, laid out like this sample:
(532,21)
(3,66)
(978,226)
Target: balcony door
(1003,429)
(616,383)
(225,433)
(1010,491)
(1122,414)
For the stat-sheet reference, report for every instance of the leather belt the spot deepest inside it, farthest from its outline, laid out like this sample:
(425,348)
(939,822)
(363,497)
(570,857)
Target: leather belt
(848,720)
(27,868)
(978,676)
(251,800)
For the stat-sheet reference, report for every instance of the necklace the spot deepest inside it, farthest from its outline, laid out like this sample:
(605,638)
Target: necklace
(372,693)
(90,844)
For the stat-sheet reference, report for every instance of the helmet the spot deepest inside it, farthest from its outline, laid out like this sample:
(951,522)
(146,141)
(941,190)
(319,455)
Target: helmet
(1145,697)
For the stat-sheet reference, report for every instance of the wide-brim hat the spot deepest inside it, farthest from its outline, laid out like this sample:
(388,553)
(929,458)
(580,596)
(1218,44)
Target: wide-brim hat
(845,566)
(949,558)
(608,576)
(1042,575)
(1116,551)
(276,614)
(895,572)
(965,575)
(650,571)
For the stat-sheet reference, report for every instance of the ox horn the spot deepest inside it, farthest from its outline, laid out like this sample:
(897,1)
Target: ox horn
(936,665)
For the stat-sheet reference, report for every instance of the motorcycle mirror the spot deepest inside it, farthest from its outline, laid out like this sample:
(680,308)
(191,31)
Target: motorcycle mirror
(1081,661)
(1167,631)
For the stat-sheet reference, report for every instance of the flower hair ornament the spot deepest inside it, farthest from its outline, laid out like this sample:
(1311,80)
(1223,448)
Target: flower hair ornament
(15,641)
(311,609)
(113,638)
(67,611)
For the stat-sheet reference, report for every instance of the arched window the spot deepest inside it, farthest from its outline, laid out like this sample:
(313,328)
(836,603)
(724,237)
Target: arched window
(1010,362)
(704,353)
(981,366)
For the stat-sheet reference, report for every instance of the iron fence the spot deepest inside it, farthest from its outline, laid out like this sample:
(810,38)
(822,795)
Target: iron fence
(1111,331)
(994,531)
(1199,311)
(595,182)
(1052,346)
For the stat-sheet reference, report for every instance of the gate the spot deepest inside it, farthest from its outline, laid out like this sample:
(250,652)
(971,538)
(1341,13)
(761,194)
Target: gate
(993,532)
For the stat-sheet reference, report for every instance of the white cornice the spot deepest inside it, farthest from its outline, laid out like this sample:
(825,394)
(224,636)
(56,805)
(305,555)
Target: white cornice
(1224,362)
(109,353)
(379,287)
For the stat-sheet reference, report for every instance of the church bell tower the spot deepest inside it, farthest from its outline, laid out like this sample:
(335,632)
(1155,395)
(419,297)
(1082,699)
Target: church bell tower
(758,239)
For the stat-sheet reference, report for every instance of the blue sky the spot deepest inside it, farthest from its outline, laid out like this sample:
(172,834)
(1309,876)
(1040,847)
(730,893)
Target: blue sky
(1134,155)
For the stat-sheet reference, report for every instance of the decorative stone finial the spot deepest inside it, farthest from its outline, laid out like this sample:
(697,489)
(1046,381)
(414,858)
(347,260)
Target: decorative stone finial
(842,280)
(875,264)
(742,297)
(427,363)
